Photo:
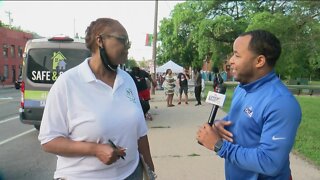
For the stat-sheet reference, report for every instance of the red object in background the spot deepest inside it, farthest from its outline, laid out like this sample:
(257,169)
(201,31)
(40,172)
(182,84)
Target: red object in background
(149,38)
(12,44)
(144,95)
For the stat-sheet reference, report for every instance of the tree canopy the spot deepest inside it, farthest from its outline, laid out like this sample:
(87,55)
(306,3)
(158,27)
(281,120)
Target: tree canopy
(205,30)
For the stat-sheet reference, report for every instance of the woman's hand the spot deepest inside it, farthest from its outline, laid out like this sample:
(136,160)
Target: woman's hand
(107,154)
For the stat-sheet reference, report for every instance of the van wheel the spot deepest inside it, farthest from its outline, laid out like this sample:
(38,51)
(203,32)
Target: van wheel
(37,127)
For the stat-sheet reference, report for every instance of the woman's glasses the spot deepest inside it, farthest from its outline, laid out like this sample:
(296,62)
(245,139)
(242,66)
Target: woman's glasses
(122,39)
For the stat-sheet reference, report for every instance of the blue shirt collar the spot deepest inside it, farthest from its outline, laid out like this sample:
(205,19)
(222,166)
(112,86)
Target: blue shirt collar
(258,83)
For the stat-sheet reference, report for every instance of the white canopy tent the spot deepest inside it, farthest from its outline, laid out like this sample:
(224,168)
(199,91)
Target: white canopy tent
(170,65)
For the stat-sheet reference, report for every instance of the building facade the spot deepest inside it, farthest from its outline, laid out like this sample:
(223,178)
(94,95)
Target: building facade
(224,69)
(12,45)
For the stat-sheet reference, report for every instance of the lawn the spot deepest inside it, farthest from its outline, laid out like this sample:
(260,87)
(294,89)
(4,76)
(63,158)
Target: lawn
(314,82)
(307,141)
(307,144)
(229,93)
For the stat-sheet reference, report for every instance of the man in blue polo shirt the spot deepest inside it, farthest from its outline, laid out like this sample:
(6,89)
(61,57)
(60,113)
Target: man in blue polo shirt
(257,135)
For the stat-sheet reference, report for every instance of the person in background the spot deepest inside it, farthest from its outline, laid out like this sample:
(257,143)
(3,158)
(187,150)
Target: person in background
(183,85)
(169,87)
(161,79)
(2,80)
(197,86)
(257,135)
(203,86)
(224,75)
(217,79)
(83,121)
(140,77)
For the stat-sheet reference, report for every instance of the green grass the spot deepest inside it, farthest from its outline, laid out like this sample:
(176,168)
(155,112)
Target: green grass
(314,82)
(229,93)
(307,142)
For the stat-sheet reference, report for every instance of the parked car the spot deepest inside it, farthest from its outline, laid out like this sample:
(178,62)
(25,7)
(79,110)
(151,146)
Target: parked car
(17,83)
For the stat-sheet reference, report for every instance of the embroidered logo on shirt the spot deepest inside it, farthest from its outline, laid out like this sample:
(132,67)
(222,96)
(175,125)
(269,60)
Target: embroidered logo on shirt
(249,111)
(130,95)
(274,138)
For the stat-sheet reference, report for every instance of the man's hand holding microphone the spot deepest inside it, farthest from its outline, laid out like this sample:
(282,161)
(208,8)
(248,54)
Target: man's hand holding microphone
(212,133)
(208,136)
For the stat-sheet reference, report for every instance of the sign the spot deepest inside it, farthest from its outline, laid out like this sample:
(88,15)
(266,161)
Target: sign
(215,98)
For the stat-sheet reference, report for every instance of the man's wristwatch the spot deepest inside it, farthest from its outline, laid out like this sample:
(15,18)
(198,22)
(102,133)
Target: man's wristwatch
(218,145)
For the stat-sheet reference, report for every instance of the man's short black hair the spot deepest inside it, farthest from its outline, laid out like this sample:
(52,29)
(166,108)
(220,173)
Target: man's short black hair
(264,43)
(135,69)
(215,69)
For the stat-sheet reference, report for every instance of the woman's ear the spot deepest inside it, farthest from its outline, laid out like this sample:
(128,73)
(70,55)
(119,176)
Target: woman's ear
(99,41)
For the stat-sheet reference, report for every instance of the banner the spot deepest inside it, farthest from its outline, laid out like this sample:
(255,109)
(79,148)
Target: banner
(149,39)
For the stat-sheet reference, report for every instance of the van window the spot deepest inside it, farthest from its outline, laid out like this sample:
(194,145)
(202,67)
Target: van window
(45,65)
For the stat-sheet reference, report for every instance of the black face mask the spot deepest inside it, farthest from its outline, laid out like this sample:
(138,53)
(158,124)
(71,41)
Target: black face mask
(105,60)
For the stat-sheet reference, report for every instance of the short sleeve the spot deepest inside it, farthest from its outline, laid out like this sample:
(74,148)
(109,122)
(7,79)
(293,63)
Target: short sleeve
(54,120)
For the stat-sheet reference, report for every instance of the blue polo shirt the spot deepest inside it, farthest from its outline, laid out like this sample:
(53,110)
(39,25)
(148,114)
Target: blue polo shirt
(265,117)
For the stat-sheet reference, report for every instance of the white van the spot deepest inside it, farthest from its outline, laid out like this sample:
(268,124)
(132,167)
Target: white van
(43,61)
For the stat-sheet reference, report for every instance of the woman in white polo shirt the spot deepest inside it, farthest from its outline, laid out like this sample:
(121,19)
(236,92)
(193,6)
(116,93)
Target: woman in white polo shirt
(93,104)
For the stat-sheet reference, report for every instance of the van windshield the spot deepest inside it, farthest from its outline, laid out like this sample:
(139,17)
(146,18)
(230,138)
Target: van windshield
(45,65)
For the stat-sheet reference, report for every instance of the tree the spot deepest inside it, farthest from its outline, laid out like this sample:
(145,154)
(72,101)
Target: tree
(143,64)
(131,63)
(177,40)
(201,30)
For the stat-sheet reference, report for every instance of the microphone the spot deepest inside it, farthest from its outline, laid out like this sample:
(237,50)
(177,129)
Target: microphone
(217,99)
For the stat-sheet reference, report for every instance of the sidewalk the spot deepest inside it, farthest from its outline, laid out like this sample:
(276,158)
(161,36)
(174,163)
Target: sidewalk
(176,153)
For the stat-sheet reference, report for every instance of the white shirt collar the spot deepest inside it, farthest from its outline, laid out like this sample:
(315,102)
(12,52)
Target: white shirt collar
(88,76)
(85,71)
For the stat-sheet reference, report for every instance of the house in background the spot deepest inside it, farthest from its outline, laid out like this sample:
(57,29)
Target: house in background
(12,43)
(224,69)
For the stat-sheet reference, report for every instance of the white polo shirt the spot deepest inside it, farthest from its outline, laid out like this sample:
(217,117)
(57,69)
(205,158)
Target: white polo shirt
(83,108)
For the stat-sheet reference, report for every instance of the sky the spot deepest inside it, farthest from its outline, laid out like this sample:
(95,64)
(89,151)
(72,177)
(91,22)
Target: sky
(49,18)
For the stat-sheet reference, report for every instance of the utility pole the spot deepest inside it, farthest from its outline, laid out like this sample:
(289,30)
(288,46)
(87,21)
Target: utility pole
(154,44)
(10,19)
(74,27)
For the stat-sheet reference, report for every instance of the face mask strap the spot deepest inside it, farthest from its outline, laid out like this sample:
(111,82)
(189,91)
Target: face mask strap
(104,57)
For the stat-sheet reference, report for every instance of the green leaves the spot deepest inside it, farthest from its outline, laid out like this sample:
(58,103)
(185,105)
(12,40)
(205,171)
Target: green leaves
(199,30)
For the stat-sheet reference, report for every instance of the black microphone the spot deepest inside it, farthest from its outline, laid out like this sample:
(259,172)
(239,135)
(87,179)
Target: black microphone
(217,99)
(213,114)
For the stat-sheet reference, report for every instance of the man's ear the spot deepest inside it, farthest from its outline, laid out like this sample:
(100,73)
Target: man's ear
(261,61)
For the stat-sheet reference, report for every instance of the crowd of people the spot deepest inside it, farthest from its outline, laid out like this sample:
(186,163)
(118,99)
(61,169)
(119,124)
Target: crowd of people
(181,84)
(184,83)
